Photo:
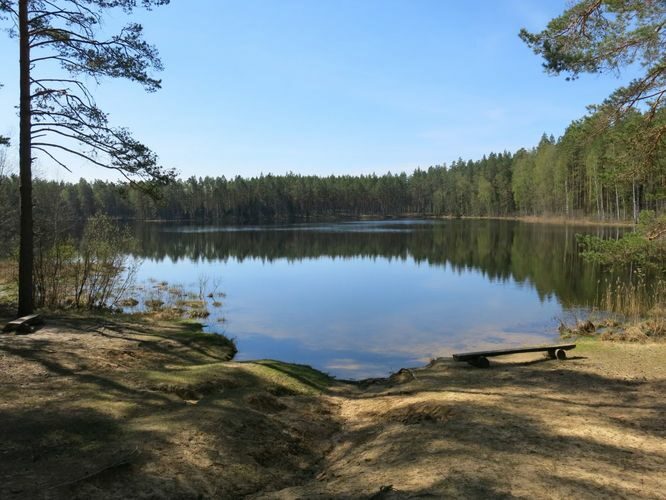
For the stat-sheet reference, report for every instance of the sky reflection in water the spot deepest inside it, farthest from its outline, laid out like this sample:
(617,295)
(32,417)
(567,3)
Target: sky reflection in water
(397,295)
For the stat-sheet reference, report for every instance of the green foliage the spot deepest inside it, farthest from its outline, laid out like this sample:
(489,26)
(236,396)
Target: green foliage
(8,207)
(595,36)
(635,248)
(584,173)
(632,248)
(65,120)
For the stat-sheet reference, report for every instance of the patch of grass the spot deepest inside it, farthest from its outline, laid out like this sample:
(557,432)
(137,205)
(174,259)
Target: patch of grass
(586,346)
(581,329)
(169,314)
(193,304)
(277,378)
(176,291)
(192,381)
(130,302)
(649,330)
(8,282)
(190,332)
(293,378)
(154,304)
(199,313)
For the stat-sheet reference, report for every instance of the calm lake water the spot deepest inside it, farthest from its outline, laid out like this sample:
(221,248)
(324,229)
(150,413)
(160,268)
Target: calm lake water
(363,299)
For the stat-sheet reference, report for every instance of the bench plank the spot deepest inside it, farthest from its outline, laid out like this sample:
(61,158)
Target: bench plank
(23,323)
(469,356)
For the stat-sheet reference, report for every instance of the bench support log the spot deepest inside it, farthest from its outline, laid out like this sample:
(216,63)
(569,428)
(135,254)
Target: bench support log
(480,362)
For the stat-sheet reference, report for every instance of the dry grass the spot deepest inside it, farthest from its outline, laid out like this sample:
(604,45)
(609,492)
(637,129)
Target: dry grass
(589,427)
(198,313)
(651,328)
(130,302)
(553,219)
(123,406)
(572,221)
(647,330)
(634,299)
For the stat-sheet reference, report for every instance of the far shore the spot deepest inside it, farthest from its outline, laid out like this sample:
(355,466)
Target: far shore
(534,219)
(115,406)
(562,220)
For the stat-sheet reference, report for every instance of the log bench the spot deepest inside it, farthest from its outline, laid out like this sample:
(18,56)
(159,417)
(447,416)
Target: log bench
(480,358)
(25,324)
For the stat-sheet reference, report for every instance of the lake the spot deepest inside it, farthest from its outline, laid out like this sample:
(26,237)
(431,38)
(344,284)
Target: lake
(363,299)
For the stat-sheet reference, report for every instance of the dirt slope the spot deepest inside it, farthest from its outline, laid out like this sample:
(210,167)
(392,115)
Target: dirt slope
(589,427)
(112,409)
(99,408)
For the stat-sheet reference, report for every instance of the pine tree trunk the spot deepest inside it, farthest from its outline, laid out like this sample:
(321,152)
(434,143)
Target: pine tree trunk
(26,304)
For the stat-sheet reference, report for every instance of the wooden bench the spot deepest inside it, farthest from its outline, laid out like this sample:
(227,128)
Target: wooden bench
(25,324)
(480,358)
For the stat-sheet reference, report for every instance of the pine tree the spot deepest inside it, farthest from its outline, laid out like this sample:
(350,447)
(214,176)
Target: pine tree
(58,114)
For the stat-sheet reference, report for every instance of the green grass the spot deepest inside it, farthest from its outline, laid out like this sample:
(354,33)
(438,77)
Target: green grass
(273,376)
(300,379)
(587,345)
(187,375)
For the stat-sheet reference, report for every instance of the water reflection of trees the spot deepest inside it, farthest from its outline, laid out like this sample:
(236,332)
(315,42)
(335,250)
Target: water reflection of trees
(544,256)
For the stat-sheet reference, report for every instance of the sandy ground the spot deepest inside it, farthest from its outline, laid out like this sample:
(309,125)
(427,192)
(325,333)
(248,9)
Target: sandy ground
(93,408)
(590,427)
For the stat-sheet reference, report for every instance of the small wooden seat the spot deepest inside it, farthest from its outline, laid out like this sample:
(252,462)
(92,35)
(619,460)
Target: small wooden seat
(25,324)
(480,358)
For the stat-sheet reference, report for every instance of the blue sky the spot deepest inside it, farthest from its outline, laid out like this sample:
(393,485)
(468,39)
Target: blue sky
(344,86)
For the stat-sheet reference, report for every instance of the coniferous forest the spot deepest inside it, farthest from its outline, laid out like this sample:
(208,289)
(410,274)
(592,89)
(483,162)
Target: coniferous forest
(591,171)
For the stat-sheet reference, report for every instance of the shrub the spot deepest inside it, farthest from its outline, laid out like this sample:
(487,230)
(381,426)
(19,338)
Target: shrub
(96,273)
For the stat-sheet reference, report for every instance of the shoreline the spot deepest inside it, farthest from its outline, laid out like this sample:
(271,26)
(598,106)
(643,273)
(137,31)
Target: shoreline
(532,219)
(117,406)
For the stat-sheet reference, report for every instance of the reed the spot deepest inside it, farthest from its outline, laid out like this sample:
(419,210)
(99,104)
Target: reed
(633,299)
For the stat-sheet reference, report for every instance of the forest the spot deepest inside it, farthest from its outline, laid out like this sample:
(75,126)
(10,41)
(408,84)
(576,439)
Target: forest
(592,171)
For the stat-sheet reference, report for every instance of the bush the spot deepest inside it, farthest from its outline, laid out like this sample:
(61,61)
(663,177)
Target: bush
(94,274)
(644,248)
(637,261)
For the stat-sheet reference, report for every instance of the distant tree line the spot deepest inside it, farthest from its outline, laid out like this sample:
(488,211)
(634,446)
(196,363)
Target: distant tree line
(590,171)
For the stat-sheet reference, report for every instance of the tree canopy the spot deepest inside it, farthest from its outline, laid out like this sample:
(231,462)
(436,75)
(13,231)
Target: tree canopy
(595,36)
(60,44)
(66,121)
